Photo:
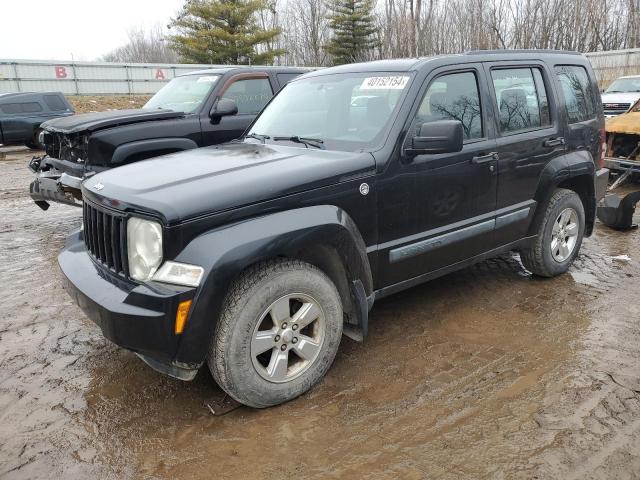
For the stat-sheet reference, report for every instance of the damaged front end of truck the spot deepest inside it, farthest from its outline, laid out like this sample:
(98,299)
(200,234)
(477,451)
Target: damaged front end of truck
(60,172)
(623,159)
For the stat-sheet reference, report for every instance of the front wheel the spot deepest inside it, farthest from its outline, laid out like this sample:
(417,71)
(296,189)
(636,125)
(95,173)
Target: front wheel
(278,333)
(559,236)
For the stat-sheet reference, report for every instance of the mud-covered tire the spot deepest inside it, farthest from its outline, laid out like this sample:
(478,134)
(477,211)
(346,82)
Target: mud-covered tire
(230,356)
(539,259)
(34,143)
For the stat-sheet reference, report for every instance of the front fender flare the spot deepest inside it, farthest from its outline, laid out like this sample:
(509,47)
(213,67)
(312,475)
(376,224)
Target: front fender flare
(226,251)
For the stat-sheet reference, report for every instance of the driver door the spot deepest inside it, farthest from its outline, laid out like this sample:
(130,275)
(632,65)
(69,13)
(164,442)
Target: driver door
(436,210)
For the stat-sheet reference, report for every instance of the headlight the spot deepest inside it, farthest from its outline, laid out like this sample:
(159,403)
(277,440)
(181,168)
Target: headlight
(144,248)
(179,273)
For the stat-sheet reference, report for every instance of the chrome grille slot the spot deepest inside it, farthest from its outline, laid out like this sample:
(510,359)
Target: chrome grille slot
(105,238)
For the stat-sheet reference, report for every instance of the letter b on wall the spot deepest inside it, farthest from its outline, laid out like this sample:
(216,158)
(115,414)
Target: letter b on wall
(61,72)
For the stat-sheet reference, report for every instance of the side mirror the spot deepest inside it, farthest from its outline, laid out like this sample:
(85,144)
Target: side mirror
(442,136)
(223,107)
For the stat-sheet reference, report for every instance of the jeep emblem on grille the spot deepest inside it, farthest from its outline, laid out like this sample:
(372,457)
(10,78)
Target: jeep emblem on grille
(98,186)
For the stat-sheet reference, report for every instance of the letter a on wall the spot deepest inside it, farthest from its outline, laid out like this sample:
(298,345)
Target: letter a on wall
(160,74)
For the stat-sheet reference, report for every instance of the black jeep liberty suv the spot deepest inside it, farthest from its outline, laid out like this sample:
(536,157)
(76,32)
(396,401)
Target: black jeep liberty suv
(354,182)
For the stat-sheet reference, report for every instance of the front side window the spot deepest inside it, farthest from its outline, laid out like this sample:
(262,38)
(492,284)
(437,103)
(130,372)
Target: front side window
(453,96)
(521,98)
(577,91)
(184,94)
(250,94)
(347,111)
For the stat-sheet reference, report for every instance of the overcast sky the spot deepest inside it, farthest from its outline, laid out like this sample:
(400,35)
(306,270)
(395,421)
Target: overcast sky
(56,29)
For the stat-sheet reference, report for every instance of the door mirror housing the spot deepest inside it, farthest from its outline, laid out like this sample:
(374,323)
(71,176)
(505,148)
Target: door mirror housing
(441,136)
(224,107)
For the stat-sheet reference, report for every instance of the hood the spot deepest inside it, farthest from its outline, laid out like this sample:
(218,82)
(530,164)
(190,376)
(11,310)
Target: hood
(620,97)
(625,123)
(89,122)
(202,181)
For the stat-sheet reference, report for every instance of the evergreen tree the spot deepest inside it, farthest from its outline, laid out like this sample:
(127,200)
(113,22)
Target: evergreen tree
(223,32)
(353,26)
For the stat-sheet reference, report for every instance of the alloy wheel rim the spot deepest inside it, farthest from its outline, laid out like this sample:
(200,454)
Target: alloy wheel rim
(564,235)
(288,338)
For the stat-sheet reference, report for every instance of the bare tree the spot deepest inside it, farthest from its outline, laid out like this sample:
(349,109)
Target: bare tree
(144,46)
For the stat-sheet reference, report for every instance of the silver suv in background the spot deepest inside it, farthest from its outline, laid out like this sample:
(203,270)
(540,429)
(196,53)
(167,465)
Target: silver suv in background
(620,95)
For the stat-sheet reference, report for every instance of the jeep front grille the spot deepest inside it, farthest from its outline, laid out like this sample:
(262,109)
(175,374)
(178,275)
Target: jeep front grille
(105,235)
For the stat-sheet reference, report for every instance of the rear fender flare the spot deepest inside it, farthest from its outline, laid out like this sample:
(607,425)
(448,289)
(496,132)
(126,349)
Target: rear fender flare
(561,170)
(125,151)
(226,251)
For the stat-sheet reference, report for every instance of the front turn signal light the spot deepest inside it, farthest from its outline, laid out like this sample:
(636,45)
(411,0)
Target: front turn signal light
(181,316)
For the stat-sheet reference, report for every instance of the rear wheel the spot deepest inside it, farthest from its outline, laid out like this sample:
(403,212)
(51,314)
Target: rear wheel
(278,334)
(559,236)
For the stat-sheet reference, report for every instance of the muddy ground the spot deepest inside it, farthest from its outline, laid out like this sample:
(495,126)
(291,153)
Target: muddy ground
(485,373)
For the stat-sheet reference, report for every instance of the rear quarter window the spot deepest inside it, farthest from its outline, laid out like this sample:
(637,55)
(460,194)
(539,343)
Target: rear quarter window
(577,91)
(55,103)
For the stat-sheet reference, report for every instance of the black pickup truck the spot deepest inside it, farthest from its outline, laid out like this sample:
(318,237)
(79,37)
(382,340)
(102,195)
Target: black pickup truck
(354,183)
(193,110)
(21,115)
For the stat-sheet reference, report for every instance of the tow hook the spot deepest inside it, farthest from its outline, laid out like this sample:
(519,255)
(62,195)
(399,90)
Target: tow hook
(34,164)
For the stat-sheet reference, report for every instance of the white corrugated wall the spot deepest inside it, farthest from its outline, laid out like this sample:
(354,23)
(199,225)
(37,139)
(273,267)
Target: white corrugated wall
(88,78)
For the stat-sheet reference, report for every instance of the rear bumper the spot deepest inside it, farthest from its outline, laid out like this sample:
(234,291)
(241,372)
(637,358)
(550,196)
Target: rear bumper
(614,163)
(140,318)
(602,183)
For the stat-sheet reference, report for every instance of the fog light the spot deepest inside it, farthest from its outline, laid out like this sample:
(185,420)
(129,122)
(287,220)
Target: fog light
(181,316)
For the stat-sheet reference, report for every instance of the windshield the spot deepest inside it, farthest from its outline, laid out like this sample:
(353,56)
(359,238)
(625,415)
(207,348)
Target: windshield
(183,94)
(625,85)
(347,112)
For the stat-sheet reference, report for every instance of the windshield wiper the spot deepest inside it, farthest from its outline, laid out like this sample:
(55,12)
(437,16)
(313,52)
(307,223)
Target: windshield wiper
(258,136)
(314,142)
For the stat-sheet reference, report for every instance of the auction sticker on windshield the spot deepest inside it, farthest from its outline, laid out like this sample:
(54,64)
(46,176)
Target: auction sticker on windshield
(209,79)
(384,83)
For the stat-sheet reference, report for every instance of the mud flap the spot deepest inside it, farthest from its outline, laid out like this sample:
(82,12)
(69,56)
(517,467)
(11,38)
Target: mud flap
(617,212)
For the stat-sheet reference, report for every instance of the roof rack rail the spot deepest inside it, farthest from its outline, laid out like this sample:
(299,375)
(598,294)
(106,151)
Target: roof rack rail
(524,50)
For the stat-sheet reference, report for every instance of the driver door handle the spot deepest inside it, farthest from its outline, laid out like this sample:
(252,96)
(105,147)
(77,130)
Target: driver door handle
(489,157)
(553,142)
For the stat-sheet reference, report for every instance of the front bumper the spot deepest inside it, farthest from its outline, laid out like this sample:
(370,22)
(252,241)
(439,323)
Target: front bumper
(140,318)
(56,181)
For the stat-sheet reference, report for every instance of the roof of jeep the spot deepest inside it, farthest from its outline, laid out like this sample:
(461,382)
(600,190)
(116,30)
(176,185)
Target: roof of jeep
(223,70)
(412,64)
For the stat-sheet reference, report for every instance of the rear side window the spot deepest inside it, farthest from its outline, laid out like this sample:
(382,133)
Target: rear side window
(454,97)
(31,107)
(55,103)
(521,98)
(251,95)
(577,91)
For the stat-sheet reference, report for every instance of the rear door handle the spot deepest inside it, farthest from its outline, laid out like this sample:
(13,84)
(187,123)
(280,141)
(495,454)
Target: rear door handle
(553,142)
(489,157)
